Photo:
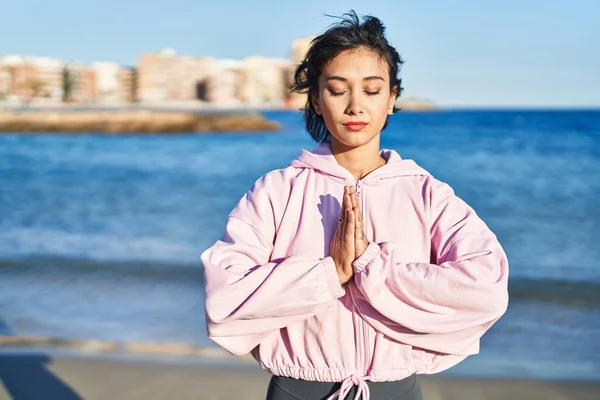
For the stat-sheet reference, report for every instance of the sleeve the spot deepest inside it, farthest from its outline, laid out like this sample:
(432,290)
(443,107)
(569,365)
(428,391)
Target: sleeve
(444,306)
(248,295)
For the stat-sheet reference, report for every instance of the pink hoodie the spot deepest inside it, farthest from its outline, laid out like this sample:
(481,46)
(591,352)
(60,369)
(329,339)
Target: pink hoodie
(431,282)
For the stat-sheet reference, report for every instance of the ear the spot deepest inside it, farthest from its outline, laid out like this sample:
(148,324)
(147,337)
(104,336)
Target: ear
(392,101)
(314,99)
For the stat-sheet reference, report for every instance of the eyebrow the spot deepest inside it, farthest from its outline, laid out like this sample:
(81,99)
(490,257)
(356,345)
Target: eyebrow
(340,78)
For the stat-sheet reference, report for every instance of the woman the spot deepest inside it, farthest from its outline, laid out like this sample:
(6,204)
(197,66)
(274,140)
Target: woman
(352,270)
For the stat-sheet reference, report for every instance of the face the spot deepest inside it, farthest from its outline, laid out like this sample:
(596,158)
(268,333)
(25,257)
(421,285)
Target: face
(354,96)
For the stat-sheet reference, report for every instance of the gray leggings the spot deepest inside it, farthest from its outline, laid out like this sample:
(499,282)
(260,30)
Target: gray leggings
(281,388)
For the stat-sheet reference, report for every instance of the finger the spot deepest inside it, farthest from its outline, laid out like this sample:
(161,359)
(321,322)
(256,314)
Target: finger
(359,229)
(356,208)
(354,202)
(350,227)
(343,205)
(348,201)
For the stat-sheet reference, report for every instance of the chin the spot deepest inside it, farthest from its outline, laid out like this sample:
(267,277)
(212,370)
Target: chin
(353,139)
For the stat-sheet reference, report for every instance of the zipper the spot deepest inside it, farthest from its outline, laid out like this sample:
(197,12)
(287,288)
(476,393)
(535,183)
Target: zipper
(357,187)
(363,328)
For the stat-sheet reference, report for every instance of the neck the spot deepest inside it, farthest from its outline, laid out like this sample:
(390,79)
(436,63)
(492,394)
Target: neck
(359,161)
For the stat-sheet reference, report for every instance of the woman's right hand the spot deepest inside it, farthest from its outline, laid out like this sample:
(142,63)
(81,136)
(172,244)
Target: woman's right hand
(341,248)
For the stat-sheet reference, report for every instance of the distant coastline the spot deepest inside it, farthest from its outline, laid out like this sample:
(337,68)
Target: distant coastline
(114,121)
(415,104)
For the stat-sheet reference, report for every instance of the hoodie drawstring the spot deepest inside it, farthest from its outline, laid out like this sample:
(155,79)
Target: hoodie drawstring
(360,381)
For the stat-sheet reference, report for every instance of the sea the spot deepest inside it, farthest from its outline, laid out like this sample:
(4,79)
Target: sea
(101,235)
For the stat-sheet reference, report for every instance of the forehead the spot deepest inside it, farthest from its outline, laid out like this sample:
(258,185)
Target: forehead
(356,63)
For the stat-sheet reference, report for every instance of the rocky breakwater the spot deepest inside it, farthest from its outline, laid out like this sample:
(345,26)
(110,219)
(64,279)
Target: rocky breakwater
(415,104)
(129,122)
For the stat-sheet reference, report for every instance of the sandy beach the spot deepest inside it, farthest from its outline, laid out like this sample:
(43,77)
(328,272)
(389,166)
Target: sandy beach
(26,375)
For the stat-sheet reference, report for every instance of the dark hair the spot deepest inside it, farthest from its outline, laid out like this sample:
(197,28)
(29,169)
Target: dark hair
(347,34)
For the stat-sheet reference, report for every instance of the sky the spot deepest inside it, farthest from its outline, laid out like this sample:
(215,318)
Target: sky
(468,53)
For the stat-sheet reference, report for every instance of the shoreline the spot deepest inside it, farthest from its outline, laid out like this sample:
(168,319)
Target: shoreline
(186,353)
(35,373)
(109,347)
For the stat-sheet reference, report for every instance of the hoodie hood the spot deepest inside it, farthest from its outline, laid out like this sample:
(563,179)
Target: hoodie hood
(322,159)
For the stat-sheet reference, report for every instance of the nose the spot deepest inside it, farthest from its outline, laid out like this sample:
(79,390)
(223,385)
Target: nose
(354,105)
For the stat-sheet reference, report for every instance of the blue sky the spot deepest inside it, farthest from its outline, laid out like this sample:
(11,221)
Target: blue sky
(458,53)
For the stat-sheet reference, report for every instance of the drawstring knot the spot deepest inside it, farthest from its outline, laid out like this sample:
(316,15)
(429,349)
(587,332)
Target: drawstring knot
(348,383)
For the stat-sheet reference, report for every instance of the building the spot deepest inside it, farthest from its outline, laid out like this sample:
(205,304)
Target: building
(114,84)
(299,48)
(262,81)
(156,74)
(49,74)
(107,82)
(221,84)
(166,76)
(5,82)
(29,78)
(83,84)
(160,78)
(127,86)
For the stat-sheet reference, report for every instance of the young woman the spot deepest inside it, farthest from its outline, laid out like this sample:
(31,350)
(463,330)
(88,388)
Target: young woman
(352,270)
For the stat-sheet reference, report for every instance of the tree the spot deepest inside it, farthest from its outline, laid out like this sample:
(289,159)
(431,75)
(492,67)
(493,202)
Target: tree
(67,85)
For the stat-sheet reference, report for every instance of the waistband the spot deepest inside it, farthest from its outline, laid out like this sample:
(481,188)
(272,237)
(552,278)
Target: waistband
(352,387)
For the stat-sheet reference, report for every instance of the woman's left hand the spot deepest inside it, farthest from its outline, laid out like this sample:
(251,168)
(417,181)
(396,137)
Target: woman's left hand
(360,239)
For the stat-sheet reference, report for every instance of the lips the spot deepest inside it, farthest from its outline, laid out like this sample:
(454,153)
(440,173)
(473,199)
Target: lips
(355,126)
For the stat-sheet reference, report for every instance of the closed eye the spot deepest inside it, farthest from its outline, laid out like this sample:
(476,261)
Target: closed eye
(335,93)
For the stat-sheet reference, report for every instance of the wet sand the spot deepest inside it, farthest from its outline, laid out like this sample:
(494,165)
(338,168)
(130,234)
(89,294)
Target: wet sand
(36,375)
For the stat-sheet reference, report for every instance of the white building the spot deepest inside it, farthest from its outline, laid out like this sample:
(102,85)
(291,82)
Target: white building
(107,81)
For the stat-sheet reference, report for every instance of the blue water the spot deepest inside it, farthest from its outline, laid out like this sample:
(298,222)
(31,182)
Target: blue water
(100,236)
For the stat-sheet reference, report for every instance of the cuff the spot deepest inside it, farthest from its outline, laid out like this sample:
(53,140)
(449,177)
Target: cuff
(370,253)
(331,277)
